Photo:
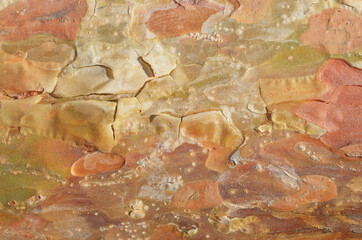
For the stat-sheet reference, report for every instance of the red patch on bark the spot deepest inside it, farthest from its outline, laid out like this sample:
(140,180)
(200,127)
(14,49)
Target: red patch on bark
(181,20)
(26,18)
(314,189)
(166,232)
(334,31)
(338,109)
(203,194)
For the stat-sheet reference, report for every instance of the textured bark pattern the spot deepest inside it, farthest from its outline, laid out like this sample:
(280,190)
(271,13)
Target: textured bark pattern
(180,119)
(25,18)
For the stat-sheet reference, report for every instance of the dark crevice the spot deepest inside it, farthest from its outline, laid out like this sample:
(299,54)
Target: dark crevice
(109,72)
(114,119)
(146,67)
(180,5)
(92,96)
(144,85)
(152,79)
(152,117)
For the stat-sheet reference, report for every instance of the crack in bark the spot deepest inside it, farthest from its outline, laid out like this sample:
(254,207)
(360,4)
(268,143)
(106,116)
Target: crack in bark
(62,70)
(114,120)
(147,68)
(152,79)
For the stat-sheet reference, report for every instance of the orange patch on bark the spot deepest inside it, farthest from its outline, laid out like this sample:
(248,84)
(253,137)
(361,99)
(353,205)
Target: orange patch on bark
(186,153)
(27,227)
(166,232)
(249,11)
(204,194)
(132,159)
(287,149)
(213,132)
(188,160)
(184,19)
(96,163)
(314,189)
(55,154)
(257,182)
(334,31)
(26,18)
(353,150)
(27,73)
(218,156)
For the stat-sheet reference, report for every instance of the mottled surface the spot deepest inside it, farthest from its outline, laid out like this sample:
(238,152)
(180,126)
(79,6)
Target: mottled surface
(25,18)
(338,108)
(334,31)
(180,119)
